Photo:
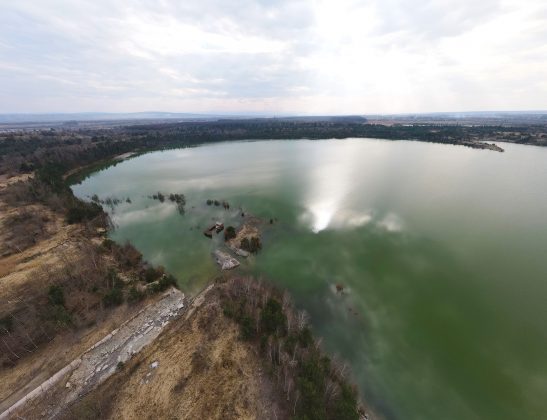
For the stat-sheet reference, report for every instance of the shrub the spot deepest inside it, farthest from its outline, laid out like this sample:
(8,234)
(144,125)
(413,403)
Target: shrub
(60,315)
(135,295)
(311,383)
(26,167)
(159,196)
(247,327)
(245,245)
(229,233)
(114,279)
(178,198)
(113,298)
(127,255)
(166,281)
(305,338)
(81,211)
(345,405)
(154,287)
(56,295)
(51,174)
(6,325)
(272,318)
(229,309)
(163,283)
(151,274)
(255,244)
(252,245)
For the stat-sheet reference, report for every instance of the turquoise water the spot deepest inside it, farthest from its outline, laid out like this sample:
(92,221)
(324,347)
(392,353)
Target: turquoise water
(441,251)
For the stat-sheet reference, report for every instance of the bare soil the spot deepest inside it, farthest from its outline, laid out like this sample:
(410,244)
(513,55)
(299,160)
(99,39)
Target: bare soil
(199,368)
(35,347)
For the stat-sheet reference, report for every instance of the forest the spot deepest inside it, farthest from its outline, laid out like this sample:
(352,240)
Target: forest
(24,151)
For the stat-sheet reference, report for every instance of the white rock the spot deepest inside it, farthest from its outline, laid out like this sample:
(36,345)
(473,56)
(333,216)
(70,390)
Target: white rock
(225,261)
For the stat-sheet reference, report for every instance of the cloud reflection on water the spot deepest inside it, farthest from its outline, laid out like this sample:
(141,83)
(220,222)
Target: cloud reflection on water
(391,222)
(329,183)
(328,200)
(154,213)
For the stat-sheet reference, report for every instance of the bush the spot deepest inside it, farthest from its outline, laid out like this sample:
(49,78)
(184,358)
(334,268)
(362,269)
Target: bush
(255,244)
(229,233)
(311,384)
(56,295)
(114,279)
(59,315)
(272,318)
(247,327)
(305,338)
(234,309)
(127,255)
(81,211)
(6,325)
(51,174)
(113,298)
(151,274)
(245,245)
(167,281)
(178,198)
(26,167)
(135,295)
(228,311)
(159,196)
(164,282)
(252,245)
(345,405)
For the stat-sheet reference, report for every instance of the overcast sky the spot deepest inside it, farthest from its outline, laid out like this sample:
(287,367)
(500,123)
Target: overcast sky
(275,56)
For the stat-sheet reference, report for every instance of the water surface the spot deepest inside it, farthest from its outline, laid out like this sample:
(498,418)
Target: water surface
(441,251)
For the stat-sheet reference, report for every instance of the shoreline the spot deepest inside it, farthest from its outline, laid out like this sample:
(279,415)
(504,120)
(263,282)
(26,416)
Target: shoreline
(52,383)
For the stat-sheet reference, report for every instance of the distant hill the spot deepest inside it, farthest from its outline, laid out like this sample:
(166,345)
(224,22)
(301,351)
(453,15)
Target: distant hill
(100,116)
(108,118)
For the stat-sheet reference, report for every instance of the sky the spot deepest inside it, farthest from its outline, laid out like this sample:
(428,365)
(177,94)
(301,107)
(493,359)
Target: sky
(306,57)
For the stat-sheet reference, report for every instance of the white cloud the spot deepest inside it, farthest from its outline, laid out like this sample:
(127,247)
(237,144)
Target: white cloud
(302,56)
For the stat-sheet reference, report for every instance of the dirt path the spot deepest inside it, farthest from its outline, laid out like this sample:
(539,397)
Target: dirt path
(198,368)
(100,361)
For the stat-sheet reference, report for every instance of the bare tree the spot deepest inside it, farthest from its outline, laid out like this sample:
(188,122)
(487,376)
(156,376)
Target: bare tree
(295,401)
(331,390)
(301,320)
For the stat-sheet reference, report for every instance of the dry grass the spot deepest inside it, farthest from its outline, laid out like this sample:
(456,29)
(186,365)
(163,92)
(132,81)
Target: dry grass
(204,371)
(39,249)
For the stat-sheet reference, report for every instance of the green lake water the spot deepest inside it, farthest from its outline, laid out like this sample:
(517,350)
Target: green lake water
(442,252)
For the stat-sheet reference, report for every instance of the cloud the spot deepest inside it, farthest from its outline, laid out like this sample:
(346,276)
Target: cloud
(306,57)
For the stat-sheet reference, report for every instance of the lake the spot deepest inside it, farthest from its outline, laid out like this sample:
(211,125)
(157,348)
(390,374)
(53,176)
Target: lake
(441,251)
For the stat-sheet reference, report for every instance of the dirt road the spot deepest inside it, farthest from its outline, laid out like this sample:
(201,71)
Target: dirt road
(100,361)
